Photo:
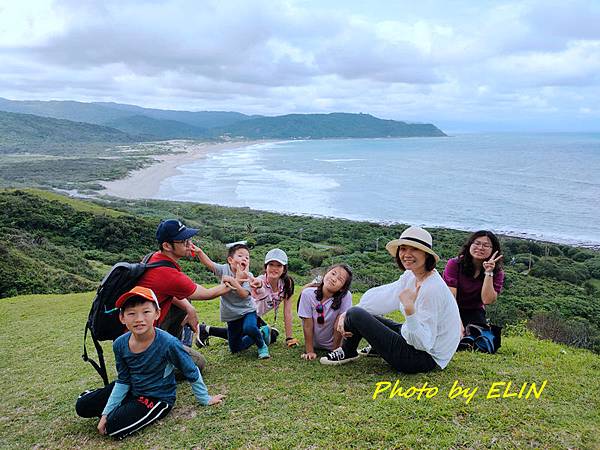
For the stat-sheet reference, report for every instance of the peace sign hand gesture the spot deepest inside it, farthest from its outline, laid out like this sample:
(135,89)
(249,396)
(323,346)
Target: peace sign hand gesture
(490,264)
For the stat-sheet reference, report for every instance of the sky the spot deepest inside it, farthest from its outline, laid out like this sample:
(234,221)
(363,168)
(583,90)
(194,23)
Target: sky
(466,66)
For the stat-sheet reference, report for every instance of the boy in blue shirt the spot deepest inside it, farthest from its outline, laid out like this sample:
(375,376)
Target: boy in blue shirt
(145,357)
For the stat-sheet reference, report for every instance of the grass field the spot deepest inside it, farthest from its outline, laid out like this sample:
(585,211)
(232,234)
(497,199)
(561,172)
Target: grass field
(286,402)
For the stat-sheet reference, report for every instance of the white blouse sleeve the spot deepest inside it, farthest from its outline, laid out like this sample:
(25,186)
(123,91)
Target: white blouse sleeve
(420,328)
(382,299)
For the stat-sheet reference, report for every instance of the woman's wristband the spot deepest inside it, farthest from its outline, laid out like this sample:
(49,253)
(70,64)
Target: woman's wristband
(490,273)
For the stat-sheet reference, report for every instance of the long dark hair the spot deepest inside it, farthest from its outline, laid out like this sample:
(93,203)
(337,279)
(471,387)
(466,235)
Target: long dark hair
(339,295)
(465,260)
(288,282)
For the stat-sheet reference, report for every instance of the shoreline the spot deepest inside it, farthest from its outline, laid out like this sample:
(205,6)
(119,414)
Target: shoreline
(144,183)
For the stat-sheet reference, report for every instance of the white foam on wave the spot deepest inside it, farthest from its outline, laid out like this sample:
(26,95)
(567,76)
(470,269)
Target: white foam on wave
(341,160)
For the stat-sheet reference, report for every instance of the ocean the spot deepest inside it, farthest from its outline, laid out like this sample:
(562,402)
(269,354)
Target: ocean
(541,186)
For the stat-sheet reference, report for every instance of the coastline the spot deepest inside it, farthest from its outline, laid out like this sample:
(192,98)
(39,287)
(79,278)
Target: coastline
(144,183)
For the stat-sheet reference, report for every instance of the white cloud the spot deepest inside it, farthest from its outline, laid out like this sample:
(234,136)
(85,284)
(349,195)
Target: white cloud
(434,61)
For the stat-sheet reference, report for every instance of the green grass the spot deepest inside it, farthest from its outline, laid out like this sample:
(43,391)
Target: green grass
(287,402)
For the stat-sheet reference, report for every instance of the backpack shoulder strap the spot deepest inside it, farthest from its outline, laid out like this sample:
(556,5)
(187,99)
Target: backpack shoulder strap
(100,366)
(163,263)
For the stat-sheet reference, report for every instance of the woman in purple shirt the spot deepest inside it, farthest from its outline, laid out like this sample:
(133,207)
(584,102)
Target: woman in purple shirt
(475,277)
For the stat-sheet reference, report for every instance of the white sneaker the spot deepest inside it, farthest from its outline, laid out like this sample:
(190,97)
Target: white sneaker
(337,357)
(368,351)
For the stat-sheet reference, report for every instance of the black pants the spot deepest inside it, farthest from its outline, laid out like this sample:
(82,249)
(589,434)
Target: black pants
(474,316)
(133,414)
(172,321)
(384,336)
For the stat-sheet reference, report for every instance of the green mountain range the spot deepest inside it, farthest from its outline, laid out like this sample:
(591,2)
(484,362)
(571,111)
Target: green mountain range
(157,124)
(323,126)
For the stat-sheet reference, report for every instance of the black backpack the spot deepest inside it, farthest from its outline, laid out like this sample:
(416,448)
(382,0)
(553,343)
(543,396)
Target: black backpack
(103,320)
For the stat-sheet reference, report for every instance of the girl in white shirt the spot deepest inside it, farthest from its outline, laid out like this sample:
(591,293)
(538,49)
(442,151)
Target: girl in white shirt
(431,331)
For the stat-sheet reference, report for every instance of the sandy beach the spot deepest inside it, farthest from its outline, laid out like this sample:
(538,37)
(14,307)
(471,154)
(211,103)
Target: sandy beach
(145,183)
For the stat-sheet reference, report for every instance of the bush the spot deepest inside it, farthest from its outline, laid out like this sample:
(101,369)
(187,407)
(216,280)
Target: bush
(593,266)
(576,331)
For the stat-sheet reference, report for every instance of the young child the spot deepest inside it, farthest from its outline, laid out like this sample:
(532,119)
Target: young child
(145,357)
(320,307)
(268,291)
(237,307)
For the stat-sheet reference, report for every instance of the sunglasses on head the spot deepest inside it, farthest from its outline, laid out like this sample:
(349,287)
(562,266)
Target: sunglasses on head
(321,313)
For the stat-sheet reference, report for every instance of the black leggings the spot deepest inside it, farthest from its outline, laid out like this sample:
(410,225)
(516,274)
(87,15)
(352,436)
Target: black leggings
(384,336)
(474,316)
(133,414)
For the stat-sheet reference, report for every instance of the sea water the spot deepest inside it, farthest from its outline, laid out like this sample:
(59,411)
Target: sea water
(543,186)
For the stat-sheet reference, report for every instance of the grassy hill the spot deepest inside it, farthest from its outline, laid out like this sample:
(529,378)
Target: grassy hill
(21,132)
(286,402)
(323,126)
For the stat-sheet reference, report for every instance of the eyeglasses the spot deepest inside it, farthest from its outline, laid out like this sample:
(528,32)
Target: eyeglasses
(481,244)
(321,313)
(185,242)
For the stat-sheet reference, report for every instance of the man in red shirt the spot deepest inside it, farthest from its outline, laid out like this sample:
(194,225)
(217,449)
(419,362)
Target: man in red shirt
(173,288)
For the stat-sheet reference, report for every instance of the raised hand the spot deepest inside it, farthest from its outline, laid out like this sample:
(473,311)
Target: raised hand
(230,282)
(408,297)
(256,283)
(194,250)
(490,264)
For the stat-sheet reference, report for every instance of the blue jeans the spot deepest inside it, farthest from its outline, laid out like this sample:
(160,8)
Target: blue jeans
(243,332)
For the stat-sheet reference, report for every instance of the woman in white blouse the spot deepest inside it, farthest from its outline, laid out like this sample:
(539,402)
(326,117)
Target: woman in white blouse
(429,336)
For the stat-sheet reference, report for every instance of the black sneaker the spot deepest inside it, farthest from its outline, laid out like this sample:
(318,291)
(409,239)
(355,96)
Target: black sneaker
(202,336)
(337,357)
(368,351)
(274,334)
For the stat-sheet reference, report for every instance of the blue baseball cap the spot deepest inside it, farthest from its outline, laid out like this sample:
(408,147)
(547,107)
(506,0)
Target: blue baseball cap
(173,230)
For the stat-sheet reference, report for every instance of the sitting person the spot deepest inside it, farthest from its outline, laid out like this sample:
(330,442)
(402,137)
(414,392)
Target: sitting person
(237,307)
(145,357)
(268,290)
(475,277)
(321,307)
(173,288)
(430,334)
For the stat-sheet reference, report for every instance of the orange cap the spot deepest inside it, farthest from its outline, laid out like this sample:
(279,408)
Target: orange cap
(138,291)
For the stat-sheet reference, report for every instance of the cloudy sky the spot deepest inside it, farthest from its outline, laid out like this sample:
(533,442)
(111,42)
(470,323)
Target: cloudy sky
(463,65)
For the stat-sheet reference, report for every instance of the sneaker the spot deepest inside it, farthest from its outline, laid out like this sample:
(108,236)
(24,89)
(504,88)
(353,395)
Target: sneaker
(274,334)
(337,357)
(202,336)
(263,352)
(266,333)
(368,351)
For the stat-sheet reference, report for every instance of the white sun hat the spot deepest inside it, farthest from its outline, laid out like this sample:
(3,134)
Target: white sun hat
(414,237)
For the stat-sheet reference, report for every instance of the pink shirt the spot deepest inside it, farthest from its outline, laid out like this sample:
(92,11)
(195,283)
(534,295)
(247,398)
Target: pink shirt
(265,298)
(322,333)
